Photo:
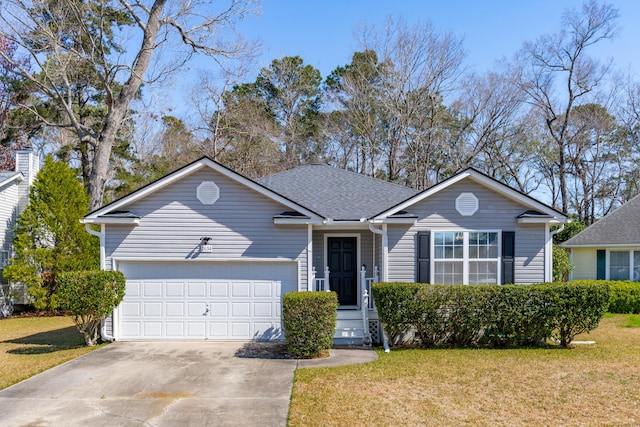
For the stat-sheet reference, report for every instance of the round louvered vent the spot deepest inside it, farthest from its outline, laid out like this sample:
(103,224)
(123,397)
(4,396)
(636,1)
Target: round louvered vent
(466,204)
(208,193)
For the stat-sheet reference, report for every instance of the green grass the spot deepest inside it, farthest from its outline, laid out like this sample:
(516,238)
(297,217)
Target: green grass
(30,345)
(633,321)
(584,385)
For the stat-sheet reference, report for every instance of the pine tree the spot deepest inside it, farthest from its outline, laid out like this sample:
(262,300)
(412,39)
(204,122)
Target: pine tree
(49,237)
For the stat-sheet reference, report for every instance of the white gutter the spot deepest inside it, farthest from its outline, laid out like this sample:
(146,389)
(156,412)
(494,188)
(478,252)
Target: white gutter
(101,235)
(554,232)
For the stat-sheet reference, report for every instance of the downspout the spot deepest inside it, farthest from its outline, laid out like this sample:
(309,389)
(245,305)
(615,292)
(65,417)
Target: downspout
(385,243)
(551,234)
(101,235)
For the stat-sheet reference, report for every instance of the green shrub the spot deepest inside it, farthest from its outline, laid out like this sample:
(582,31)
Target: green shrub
(309,322)
(397,307)
(495,316)
(90,296)
(576,307)
(625,297)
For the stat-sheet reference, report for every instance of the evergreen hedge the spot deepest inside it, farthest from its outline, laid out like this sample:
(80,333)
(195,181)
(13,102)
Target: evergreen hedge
(309,322)
(625,297)
(491,316)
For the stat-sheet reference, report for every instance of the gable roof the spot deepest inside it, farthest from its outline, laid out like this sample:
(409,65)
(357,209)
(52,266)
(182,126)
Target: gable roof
(102,214)
(543,212)
(619,228)
(8,176)
(336,193)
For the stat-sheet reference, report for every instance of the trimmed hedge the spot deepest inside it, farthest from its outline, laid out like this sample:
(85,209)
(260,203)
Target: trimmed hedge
(90,296)
(493,316)
(625,297)
(309,322)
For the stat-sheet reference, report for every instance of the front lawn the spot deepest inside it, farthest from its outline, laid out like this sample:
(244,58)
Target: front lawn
(584,385)
(29,345)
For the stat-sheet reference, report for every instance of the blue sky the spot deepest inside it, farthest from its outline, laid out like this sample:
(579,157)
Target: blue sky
(322,33)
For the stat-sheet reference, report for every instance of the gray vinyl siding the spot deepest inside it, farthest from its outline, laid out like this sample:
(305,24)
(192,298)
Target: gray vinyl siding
(366,249)
(240,224)
(496,212)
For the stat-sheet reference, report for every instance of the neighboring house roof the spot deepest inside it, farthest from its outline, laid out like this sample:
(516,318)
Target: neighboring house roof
(8,176)
(336,193)
(536,211)
(619,228)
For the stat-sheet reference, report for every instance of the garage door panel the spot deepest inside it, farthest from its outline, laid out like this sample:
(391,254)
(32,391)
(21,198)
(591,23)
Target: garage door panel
(151,289)
(218,329)
(197,289)
(153,309)
(153,329)
(219,309)
(263,309)
(241,289)
(196,329)
(130,309)
(132,289)
(219,290)
(174,309)
(175,329)
(175,290)
(196,309)
(240,309)
(241,330)
(264,289)
(233,301)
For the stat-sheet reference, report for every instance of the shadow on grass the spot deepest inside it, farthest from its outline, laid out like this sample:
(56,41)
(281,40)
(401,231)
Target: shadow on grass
(48,342)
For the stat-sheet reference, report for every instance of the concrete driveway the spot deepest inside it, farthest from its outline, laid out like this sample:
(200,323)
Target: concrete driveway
(156,384)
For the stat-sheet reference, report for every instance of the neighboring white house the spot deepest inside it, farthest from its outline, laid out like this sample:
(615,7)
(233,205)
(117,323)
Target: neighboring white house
(14,196)
(208,253)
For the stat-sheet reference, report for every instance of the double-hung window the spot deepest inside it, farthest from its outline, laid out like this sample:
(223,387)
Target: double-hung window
(466,257)
(624,265)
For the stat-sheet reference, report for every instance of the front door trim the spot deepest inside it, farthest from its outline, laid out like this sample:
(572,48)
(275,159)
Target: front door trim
(359,262)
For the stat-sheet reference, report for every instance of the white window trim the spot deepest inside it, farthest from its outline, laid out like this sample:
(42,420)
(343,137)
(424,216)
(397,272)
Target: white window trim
(465,253)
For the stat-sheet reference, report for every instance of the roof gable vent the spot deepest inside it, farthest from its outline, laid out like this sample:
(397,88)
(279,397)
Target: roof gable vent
(466,204)
(208,192)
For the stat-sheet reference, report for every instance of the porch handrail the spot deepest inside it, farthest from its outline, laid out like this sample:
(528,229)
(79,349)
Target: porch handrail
(366,338)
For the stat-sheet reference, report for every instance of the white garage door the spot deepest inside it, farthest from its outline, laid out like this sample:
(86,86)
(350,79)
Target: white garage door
(199,300)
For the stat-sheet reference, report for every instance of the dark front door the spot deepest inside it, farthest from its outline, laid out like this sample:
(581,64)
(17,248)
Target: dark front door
(343,268)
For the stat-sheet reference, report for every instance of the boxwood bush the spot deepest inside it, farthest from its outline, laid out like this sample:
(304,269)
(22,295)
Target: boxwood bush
(309,322)
(494,316)
(90,296)
(625,297)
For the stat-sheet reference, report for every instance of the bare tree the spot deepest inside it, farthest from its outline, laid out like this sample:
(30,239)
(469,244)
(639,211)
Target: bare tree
(107,50)
(423,65)
(557,74)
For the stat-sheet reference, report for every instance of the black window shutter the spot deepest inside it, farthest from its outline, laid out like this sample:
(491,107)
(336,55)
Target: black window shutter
(423,262)
(601,264)
(508,257)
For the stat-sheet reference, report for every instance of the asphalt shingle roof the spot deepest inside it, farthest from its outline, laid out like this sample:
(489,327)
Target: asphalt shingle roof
(5,175)
(620,227)
(336,193)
